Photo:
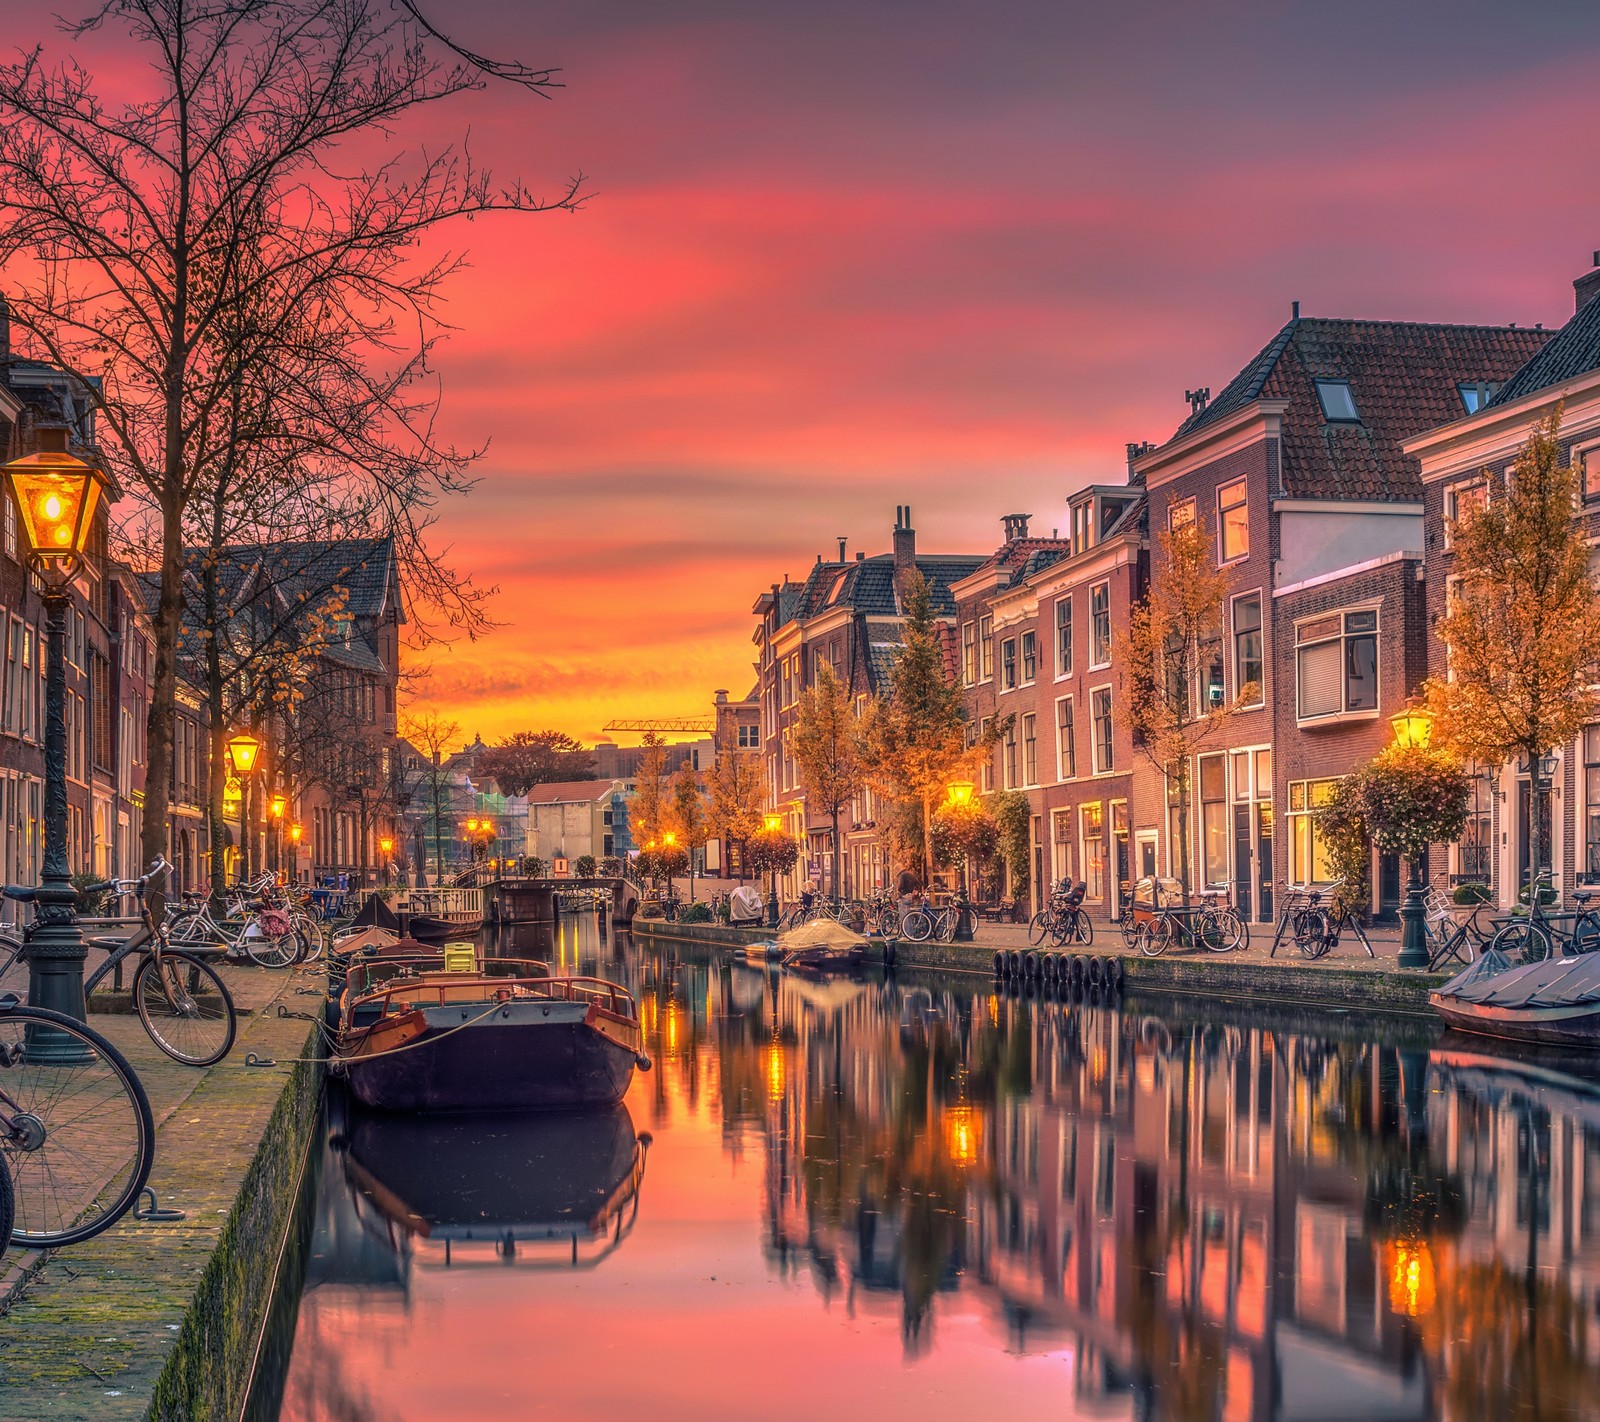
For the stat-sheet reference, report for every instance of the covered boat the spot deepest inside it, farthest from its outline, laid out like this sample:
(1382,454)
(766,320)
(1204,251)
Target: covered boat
(417,1034)
(822,945)
(1556,1002)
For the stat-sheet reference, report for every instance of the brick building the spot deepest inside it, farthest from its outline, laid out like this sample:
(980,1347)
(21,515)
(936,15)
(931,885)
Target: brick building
(847,614)
(1299,470)
(1460,462)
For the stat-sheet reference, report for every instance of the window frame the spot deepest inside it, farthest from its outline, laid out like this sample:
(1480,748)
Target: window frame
(1096,663)
(1343,637)
(1477,485)
(1008,664)
(1242,484)
(1110,748)
(1028,656)
(1181,513)
(1067,750)
(985,648)
(1064,664)
(1030,749)
(1239,682)
(1354,418)
(969,653)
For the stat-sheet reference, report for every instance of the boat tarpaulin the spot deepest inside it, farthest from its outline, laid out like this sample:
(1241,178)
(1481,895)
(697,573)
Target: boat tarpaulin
(1556,982)
(820,933)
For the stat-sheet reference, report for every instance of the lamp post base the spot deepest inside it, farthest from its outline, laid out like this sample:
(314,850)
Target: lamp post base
(772,902)
(1413,936)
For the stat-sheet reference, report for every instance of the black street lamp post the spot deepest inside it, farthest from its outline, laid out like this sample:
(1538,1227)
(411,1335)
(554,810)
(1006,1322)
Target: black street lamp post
(57,494)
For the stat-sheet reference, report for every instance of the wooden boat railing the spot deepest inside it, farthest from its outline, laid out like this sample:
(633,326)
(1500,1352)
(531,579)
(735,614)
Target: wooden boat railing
(442,989)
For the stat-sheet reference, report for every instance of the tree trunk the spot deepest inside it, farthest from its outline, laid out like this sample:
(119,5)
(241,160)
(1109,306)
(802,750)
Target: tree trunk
(1183,829)
(838,886)
(1535,831)
(153,835)
(216,690)
(438,828)
(927,841)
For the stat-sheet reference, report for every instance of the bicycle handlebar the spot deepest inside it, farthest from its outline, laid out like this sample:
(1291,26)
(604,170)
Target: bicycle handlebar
(157,870)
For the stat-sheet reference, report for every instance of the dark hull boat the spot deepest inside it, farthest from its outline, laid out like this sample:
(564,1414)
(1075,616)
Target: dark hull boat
(415,1037)
(438,928)
(1553,1003)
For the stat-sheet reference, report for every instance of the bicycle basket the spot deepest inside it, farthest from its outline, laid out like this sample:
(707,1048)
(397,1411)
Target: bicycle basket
(274,922)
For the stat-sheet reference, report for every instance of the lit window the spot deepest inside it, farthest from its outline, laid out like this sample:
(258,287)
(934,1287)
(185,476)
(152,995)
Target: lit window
(1336,661)
(1337,401)
(1308,849)
(1233,519)
(1247,652)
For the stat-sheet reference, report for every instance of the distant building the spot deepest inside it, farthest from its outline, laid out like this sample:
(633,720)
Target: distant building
(573,818)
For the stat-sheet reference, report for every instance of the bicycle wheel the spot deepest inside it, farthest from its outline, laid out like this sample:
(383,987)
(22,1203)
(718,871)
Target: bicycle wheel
(1235,927)
(1522,942)
(1154,938)
(1130,929)
(1586,933)
(916,926)
(1211,933)
(1040,927)
(75,1128)
(1082,928)
(270,950)
(312,934)
(1312,934)
(185,1007)
(945,925)
(190,927)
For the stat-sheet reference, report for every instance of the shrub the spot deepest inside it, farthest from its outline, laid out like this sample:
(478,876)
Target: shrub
(584,866)
(696,913)
(1469,894)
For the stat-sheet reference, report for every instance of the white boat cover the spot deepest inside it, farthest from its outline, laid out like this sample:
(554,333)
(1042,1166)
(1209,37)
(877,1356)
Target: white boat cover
(745,902)
(1556,982)
(820,933)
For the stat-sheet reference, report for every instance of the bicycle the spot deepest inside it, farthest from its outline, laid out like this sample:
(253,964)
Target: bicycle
(76,1132)
(1317,930)
(928,922)
(1064,919)
(1227,919)
(263,933)
(1458,943)
(1531,938)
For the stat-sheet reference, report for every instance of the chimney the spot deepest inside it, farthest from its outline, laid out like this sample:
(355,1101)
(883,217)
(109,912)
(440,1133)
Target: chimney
(842,541)
(1587,287)
(905,547)
(1197,398)
(722,698)
(1016,526)
(861,556)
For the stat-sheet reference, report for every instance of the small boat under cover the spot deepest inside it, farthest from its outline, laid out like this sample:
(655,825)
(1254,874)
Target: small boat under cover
(1556,1002)
(822,945)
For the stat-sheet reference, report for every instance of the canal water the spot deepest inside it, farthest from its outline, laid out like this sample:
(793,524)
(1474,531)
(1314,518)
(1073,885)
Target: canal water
(926,1199)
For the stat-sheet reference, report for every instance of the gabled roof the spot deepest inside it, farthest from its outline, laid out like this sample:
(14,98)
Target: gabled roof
(866,585)
(1572,351)
(362,568)
(1404,377)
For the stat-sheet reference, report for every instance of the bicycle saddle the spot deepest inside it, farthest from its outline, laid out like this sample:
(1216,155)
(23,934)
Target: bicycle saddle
(195,896)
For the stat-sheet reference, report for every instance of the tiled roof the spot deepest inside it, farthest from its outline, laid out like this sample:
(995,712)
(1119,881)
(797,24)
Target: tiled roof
(1404,378)
(866,585)
(1572,351)
(361,567)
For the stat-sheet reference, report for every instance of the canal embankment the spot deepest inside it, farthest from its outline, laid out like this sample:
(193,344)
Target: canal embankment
(1346,981)
(162,1319)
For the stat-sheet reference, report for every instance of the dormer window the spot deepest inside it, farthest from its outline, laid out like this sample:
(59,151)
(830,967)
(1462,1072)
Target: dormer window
(1338,404)
(1475,397)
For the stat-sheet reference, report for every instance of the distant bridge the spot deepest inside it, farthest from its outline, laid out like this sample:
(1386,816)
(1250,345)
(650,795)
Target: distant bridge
(523,898)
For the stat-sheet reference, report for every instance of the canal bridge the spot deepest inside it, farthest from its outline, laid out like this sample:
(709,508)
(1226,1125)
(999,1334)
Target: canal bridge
(524,898)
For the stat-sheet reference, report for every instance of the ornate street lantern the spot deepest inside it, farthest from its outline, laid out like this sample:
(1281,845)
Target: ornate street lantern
(243,749)
(960,793)
(278,805)
(1413,728)
(58,494)
(295,831)
(772,822)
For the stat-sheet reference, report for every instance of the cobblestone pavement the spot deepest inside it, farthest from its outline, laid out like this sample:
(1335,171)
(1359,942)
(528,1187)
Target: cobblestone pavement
(87,1330)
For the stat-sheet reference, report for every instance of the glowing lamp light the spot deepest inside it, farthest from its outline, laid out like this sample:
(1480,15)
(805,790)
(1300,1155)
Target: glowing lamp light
(1411,1279)
(243,749)
(669,839)
(772,823)
(472,826)
(1413,728)
(960,793)
(278,805)
(386,845)
(295,832)
(963,1134)
(58,495)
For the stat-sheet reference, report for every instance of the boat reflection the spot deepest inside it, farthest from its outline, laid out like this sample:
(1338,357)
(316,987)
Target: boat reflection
(551,1190)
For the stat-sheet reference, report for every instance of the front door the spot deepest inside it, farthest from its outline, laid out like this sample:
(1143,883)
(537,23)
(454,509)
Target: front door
(1264,860)
(1243,858)
(1524,839)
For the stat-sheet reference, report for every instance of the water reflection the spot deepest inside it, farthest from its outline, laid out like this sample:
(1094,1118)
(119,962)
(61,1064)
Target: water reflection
(1197,1213)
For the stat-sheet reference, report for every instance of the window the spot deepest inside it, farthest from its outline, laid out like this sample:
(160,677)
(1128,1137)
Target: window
(969,653)
(1308,851)
(1336,664)
(1082,529)
(1009,758)
(1475,397)
(1180,515)
(1248,666)
(1460,500)
(1213,820)
(1030,749)
(1030,656)
(1100,625)
(1066,746)
(1233,521)
(986,774)
(749,737)
(986,647)
(11,525)
(1100,716)
(1472,854)
(1337,402)
(1064,637)
(1008,664)
(1091,828)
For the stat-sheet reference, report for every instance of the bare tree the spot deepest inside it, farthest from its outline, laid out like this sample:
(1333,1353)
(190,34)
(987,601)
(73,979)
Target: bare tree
(140,242)
(433,736)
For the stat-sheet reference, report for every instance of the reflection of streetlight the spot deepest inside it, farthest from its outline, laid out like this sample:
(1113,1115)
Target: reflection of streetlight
(57,494)
(1411,1281)
(777,1070)
(1413,729)
(772,823)
(963,1134)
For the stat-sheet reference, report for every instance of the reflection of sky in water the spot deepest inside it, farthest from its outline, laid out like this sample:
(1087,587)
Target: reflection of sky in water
(925,1201)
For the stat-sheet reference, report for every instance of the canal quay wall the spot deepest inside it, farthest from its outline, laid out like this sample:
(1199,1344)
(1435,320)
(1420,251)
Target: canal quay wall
(162,1321)
(1344,982)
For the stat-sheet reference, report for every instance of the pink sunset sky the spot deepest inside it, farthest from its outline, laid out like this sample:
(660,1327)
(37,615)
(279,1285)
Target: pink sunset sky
(848,254)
